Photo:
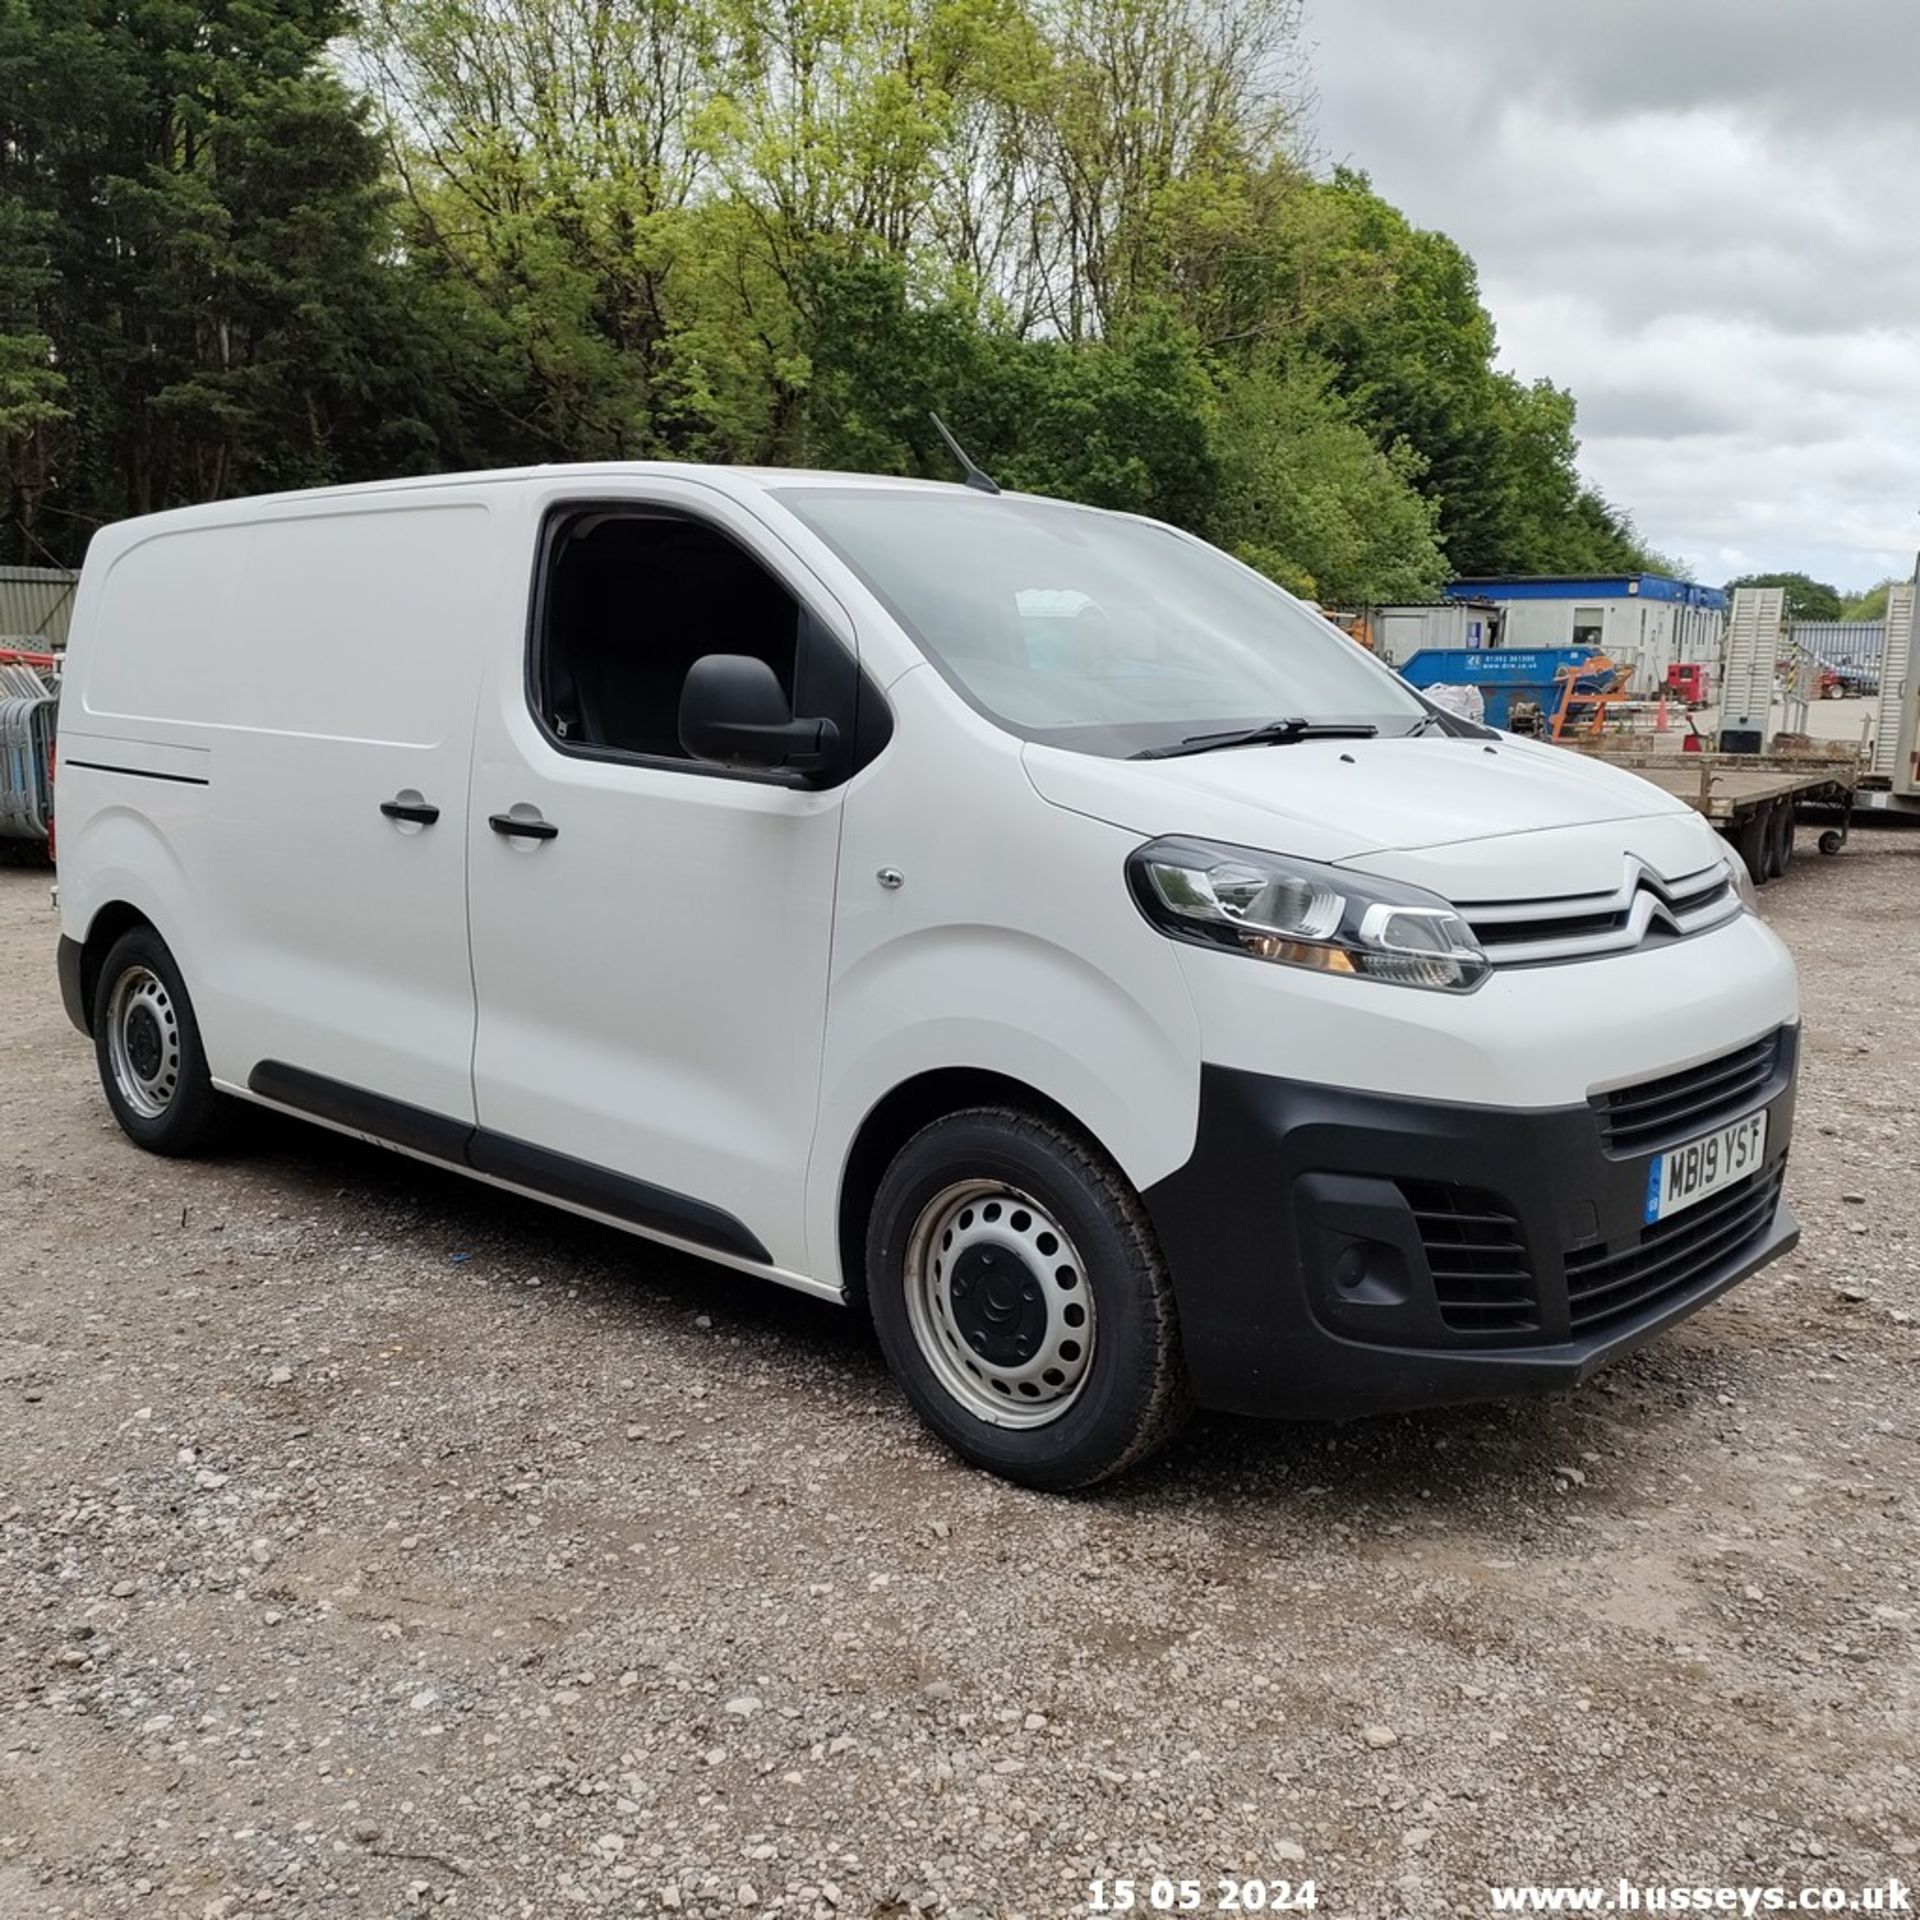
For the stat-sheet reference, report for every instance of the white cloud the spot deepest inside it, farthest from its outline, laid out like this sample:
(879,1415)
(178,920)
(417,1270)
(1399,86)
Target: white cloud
(1697,214)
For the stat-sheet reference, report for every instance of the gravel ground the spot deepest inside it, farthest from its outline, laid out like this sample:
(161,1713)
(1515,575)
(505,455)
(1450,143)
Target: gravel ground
(372,1543)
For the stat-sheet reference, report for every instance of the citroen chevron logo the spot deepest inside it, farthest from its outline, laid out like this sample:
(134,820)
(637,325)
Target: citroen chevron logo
(1644,883)
(1645,902)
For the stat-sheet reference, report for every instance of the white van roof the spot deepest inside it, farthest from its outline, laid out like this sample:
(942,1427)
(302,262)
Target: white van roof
(728,478)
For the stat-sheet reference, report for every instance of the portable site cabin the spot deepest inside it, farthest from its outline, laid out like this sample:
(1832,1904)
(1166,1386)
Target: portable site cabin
(1399,632)
(1645,622)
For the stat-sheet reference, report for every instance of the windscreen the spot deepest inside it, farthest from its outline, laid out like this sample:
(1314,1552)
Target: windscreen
(1092,631)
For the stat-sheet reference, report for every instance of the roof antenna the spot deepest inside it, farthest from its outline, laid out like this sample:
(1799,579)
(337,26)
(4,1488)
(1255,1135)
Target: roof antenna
(977,477)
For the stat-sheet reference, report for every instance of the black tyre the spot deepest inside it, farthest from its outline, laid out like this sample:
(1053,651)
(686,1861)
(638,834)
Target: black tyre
(147,1043)
(1780,840)
(1022,1301)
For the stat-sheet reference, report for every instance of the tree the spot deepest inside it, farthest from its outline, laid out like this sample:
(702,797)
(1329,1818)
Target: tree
(1870,605)
(753,230)
(1806,598)
(747,230)
(1327,275)
(1148,136)
(1309,499)
(32,387)
(198,302)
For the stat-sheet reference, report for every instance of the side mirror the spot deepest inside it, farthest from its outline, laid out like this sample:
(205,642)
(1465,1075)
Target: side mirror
(732,711)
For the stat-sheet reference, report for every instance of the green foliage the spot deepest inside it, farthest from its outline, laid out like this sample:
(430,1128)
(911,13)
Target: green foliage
(1870,605)
(196,302)
(1124,423)
(1337,276)
(1805,598)
(33,389)
(756,230)
(1308,498)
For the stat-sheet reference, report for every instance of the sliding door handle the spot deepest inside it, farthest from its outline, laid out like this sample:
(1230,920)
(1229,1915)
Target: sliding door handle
(414,810)
(534,829)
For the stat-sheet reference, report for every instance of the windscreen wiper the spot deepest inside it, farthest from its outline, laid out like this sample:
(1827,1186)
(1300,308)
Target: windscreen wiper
(1276,733)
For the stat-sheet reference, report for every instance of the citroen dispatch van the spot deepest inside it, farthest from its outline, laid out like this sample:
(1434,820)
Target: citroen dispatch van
(1021,922)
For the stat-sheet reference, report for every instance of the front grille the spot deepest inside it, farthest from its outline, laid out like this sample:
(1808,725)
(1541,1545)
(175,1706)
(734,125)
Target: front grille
(1605,1285)
(1681,1106)
(1479,1262)
(1644,907)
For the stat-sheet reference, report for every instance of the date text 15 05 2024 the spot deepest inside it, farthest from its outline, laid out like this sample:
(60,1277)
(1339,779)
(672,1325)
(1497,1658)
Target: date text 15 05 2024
(1225,1893)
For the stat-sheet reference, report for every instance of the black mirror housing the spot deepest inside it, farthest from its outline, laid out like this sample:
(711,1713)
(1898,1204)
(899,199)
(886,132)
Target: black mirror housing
(733,712)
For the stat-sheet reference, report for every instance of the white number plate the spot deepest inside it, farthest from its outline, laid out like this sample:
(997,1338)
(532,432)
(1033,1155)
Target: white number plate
(1676,1180)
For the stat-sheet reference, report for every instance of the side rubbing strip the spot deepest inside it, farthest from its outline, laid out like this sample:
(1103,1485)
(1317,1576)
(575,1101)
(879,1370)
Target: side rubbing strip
(556,1174)
(140,773)
(373,1113)
(586,1185)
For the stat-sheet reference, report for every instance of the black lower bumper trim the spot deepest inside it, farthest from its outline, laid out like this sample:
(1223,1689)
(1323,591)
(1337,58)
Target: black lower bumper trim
(1337,1253)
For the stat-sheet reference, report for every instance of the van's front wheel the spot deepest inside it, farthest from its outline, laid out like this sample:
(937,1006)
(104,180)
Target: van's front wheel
(147,1043)
(1022,1301)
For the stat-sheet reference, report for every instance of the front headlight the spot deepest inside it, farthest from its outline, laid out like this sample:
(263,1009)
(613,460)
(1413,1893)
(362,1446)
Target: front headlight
(1741,878)
(1301,914)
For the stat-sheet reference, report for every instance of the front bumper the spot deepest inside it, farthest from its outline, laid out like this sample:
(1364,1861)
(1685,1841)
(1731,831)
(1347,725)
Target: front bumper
(1337,1253)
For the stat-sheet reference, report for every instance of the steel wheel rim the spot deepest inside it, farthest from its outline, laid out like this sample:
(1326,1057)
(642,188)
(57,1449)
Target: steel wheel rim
(1013,1345)
(143,1042)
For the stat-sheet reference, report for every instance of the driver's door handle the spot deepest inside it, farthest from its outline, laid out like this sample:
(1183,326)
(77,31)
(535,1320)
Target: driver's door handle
(522,829)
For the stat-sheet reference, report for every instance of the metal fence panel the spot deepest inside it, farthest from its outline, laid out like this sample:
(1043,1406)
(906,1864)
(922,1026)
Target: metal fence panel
(26,766)
(36,603)
(18,681)
(1851,647)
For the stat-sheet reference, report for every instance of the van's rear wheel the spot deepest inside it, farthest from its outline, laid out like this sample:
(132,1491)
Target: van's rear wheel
(1022,1301)
(147,1043)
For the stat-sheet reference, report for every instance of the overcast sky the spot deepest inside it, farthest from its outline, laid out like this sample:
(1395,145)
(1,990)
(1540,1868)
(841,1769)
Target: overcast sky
(1703,216)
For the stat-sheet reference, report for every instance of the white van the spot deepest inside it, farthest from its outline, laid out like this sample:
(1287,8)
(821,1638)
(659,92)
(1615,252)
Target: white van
(1021,921)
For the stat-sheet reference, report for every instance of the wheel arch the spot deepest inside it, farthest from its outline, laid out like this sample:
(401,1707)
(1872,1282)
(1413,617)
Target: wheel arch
(109,922)
(894,1119)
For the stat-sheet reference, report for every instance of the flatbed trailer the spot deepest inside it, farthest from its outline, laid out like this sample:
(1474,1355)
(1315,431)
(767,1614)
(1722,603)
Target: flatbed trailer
(1753,800)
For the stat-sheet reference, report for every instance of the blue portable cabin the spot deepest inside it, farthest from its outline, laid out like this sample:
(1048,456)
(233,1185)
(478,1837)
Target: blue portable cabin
(1646,622)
